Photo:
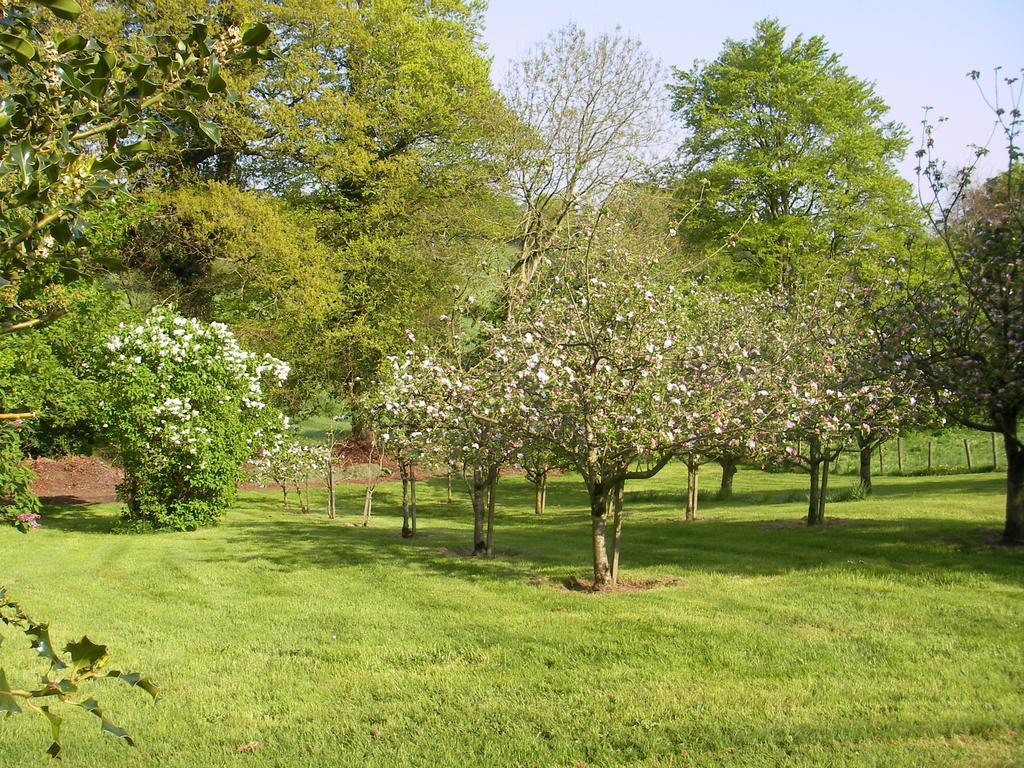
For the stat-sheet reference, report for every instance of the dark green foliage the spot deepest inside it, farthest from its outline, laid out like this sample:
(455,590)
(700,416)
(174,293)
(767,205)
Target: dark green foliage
(18,505)
(47,371)
(79,115)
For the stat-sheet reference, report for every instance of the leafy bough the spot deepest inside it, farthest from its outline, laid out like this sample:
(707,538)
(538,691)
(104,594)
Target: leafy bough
(72,672)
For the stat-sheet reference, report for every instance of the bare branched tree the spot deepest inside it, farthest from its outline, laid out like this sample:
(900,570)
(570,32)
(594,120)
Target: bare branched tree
(592,115)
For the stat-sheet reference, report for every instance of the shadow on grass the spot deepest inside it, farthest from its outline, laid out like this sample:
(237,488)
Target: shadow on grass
(81,518)
(557,543)
(955,484)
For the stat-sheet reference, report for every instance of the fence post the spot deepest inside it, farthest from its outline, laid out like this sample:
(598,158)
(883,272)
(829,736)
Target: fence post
(967,452)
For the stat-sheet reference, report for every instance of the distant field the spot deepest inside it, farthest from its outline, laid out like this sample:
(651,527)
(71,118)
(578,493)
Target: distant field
(894,636)
(948,453)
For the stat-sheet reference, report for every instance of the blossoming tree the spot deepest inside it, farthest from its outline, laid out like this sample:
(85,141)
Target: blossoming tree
(432,407)
(961,327)
(403,417)
(608,370)
(833,386)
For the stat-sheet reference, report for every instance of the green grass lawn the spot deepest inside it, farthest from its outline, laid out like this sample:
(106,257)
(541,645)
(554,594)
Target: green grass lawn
(894,638)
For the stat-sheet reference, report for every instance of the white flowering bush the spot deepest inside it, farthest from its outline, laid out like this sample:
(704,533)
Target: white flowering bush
(184,406)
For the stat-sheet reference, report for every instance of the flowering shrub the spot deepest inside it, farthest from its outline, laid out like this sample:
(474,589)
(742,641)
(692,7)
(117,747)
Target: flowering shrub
(184,406)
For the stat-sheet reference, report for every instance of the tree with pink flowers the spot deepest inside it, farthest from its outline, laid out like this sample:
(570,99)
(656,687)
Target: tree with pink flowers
(432,408)
(833,385)
(960,327)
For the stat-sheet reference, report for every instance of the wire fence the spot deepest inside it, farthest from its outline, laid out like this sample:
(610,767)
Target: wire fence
(924,453)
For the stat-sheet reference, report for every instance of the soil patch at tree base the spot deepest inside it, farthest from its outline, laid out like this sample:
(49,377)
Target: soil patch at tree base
(624,586)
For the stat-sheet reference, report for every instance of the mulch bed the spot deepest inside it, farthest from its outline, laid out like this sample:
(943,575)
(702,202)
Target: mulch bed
(90,480)
(74,480)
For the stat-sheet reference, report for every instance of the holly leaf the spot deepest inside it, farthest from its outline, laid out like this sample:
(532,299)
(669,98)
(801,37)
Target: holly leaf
(39,638)
(71,43)
(91,705)
(7,702)
(211,130)
(216,82)
(55,721)
(134,678)
(255,34)
(62,9)
(22,50)
(85,654)
(138,147)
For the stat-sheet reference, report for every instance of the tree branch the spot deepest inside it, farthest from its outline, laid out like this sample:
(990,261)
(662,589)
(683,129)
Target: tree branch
(24,325)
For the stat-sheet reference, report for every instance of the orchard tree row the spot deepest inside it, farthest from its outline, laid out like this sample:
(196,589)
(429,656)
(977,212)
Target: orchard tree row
(609,371)
(317,191)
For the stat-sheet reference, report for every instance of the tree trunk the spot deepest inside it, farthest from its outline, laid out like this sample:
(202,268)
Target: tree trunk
(598,523)
(449,499)
(412,497)
(367,505)
(619,497)
(865,447)
(479,545)
(361,429)
(1013,532)
(814,464)
(403,469)
(730,463)
(823,490)
(492,493)
(540,491)
(304,504)
(692,473)
(331,510)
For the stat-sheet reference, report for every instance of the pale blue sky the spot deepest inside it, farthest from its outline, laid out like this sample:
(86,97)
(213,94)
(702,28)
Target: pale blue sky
(916,52)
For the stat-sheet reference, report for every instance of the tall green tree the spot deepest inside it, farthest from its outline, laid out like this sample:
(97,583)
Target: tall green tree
(376,132)
(792,159)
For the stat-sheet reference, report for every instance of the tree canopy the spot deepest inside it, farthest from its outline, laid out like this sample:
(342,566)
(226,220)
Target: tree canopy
(792,159)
